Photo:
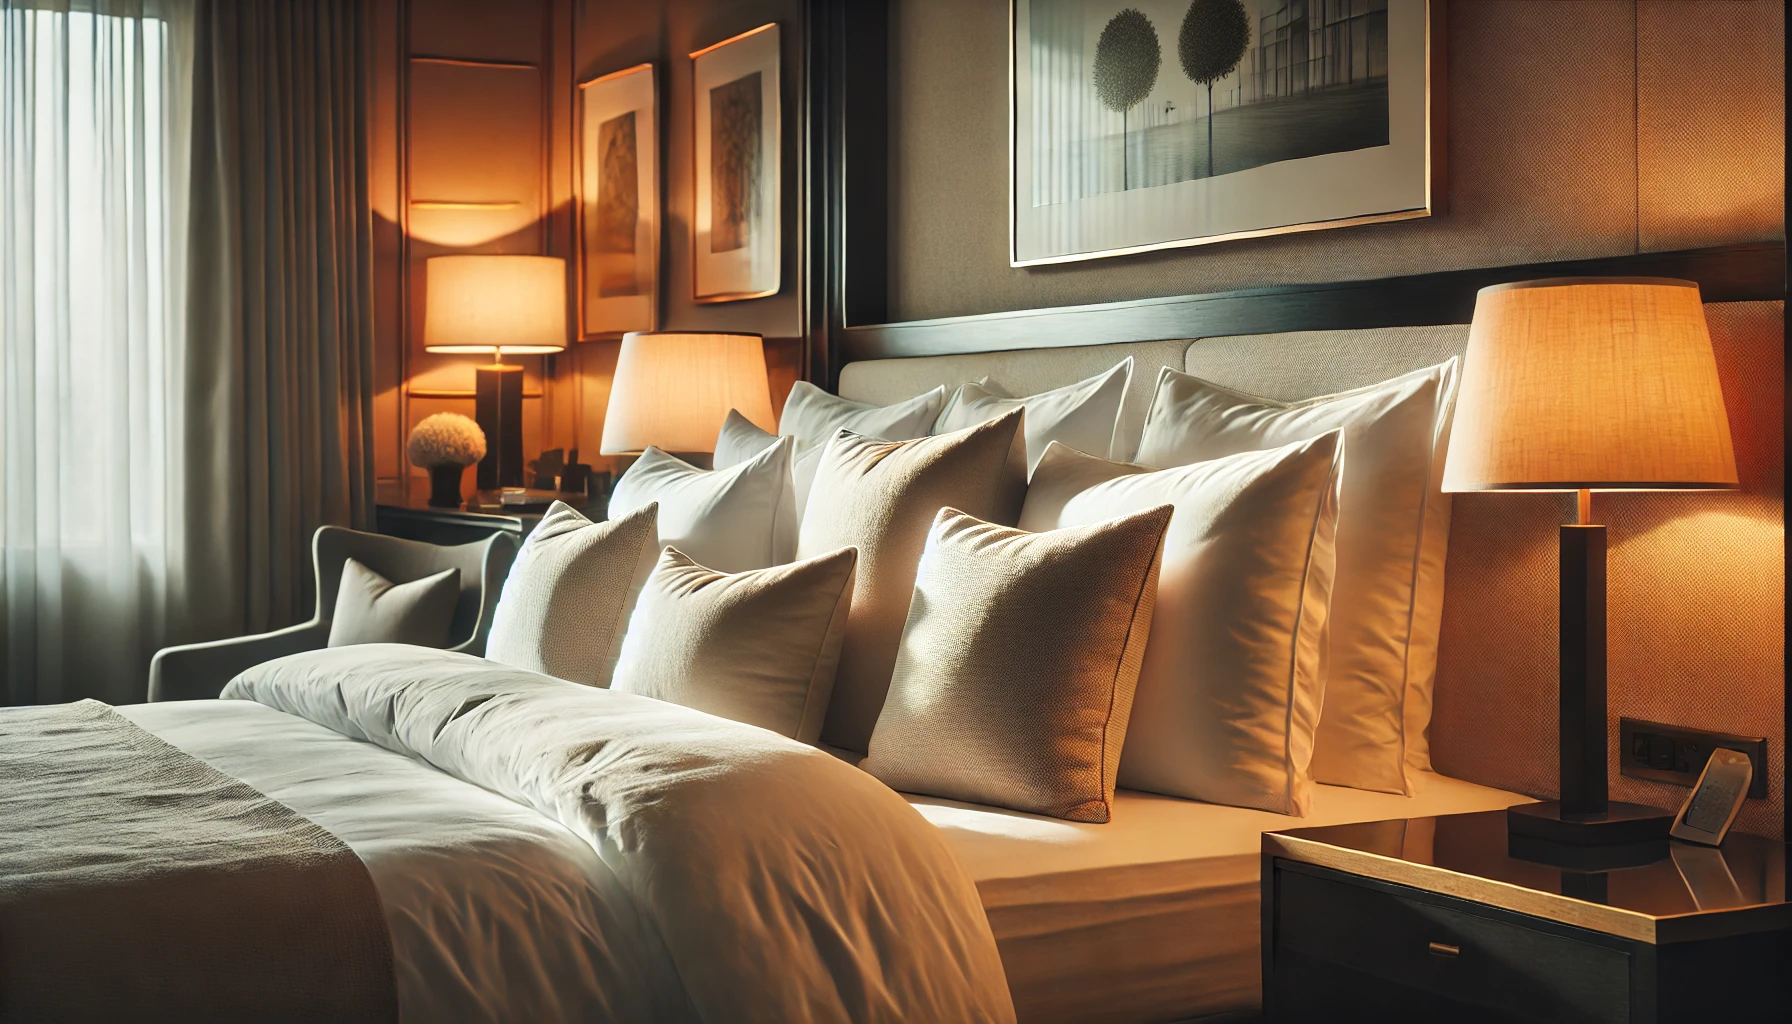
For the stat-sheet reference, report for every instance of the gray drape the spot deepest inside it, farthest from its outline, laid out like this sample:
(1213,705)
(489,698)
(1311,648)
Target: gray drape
(276,437)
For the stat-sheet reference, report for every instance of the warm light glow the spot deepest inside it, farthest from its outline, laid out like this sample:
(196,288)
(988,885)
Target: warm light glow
(514,304)
(1590,383)
(672,390)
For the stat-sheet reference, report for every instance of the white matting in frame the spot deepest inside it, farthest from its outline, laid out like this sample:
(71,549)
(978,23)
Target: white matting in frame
(618,203)
(735,250)
(1150,124)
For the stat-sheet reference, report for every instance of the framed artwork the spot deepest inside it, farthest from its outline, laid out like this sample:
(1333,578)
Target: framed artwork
(735,245)
(618,203)
(1148,124)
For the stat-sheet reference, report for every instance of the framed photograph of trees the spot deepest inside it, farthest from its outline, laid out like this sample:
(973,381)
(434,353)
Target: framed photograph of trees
(618,203)
(735,244)
(1147,124)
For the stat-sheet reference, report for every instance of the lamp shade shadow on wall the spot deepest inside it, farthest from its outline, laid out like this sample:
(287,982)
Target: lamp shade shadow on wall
(496,304)
(672,390)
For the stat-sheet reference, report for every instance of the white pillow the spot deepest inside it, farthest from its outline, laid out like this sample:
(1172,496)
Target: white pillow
(741,439)
(757,647)
(1393,533)
(734,519)
(1232,682)
(569,594)
(1081,415)
(813,416)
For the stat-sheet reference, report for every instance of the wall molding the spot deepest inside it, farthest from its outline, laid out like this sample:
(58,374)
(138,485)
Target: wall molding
(1724,274)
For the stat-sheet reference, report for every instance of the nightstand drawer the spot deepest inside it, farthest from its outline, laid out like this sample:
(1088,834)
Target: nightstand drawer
(1459,957)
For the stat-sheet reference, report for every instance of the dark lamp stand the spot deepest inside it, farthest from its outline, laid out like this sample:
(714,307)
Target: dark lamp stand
(1585,816)
(498,409)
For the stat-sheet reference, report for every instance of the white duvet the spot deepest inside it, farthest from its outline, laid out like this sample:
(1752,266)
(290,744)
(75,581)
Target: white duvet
(748,878)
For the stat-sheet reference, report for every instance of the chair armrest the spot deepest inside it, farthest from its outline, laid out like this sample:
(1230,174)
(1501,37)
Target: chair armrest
(200,671)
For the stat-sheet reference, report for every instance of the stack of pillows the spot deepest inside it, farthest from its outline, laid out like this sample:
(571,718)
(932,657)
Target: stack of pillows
(973,598)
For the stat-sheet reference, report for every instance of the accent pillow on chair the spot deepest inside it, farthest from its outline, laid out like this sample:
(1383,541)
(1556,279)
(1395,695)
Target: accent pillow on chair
(881,497)
(1232,682)
(1082,415)
(758,647)
(732,519)
(371,609)
(1393,532)
(1015,677)
(570,592)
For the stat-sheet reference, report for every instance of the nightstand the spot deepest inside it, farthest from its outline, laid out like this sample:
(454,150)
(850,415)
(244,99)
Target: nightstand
(405,511)
(1432,919)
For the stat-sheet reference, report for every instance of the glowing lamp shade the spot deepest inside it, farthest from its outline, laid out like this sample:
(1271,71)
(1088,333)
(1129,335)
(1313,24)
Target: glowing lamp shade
(1590,383)
(502,304)
(673,389)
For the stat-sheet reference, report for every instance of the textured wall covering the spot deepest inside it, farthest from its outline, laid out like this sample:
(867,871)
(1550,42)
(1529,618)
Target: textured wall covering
(1548,156)
(1696,603)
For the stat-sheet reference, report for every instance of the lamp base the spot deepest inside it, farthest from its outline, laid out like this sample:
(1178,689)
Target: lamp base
(498,408)
(1618,824)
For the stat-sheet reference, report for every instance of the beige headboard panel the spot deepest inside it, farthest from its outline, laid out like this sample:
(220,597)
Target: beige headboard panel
(1289,367)
(1021,372)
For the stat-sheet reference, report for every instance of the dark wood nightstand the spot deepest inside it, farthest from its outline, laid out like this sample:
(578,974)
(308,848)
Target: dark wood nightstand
(407,513)
(1432,919)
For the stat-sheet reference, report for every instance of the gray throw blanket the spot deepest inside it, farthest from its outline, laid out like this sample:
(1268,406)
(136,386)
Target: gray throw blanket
(139,883)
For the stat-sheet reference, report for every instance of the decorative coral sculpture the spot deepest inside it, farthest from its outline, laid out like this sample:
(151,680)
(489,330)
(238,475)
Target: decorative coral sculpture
(446,444)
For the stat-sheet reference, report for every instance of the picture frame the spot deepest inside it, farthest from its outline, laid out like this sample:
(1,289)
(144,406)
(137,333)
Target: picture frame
(736,250)
(617,203)
(1319,116)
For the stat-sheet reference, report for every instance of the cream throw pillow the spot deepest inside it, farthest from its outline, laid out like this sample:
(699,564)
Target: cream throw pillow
(1082,415)
(371,609)
(811,415)
(734,519)
(757,647)
(1393,533)
(1230,691)
(569,594)
(881,497)
(1015,679)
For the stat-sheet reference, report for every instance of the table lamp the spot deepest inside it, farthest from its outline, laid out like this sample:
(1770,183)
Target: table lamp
(1584,384)
(673,389)
(496,304)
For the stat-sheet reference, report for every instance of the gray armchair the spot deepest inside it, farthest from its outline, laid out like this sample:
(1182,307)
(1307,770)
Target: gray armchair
(198,671)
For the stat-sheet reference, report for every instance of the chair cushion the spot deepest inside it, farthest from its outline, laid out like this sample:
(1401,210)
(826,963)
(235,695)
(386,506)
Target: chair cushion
(758,647)
(1015,678)
(569,594)
(371,609)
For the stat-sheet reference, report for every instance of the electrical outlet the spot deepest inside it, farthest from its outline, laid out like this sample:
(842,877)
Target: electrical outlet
(1676,754)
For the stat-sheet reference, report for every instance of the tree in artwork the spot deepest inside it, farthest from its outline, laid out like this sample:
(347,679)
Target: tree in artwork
(1127,57)
(1214,37)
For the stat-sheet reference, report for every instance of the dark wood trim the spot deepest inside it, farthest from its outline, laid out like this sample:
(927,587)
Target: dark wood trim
(1725,274)
(846,190)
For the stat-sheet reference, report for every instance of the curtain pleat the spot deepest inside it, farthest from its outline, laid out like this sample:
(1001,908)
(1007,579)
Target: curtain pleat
(280,341)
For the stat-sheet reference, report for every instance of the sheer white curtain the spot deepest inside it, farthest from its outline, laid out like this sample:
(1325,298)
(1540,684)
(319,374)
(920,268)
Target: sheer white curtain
(93,101)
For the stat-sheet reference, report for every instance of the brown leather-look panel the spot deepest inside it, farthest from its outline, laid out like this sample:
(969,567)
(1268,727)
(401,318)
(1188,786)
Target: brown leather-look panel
(1696,602)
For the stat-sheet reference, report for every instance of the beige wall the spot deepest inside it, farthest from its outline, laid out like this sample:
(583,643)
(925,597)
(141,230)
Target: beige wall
(1576,128)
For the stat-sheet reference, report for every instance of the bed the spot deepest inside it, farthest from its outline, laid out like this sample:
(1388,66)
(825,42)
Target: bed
(504,893)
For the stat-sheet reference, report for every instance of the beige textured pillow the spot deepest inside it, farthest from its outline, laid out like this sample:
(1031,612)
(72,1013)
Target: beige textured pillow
(757,647)
(1393,533)
(1015,679)
(733,519)
(881,497)
(569,594)
(1082,415)
(371,609)
(1230,691)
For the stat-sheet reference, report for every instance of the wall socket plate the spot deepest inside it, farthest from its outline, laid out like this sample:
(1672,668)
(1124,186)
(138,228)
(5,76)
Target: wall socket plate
(1677,754)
